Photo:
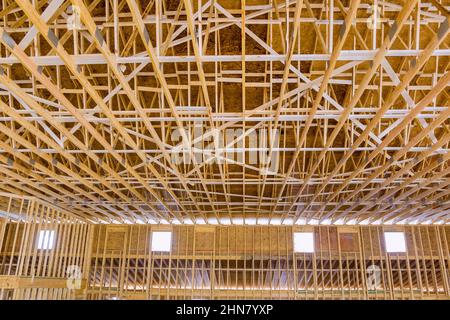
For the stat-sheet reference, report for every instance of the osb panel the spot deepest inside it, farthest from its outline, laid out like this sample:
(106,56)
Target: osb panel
(2,232)
(116,241)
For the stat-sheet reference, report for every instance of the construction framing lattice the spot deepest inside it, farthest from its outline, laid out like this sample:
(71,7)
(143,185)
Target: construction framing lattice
(351,99)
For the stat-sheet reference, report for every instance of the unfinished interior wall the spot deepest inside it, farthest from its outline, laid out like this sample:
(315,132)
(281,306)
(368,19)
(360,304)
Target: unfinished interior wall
(212,262)
(258,262)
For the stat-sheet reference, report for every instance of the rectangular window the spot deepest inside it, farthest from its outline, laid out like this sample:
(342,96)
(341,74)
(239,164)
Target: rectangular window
(46,239)
(161,241)
(304,242)
(395,241)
